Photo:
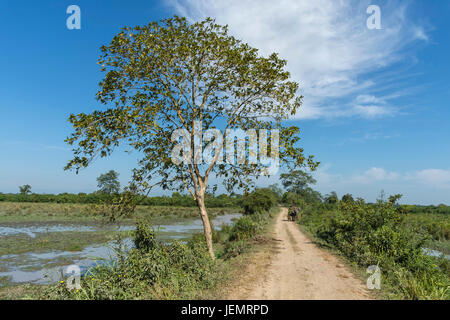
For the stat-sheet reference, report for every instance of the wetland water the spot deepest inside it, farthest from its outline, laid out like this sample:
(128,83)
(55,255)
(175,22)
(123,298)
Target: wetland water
(45,267)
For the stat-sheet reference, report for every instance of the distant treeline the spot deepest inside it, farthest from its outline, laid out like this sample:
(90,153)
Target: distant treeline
(324,205)
(221,201)
(176,199)
(441,209)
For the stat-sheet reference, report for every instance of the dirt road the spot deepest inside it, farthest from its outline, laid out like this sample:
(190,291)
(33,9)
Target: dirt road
(297,269)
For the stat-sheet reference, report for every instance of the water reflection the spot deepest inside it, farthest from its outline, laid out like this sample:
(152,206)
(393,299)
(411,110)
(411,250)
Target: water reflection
(40,268)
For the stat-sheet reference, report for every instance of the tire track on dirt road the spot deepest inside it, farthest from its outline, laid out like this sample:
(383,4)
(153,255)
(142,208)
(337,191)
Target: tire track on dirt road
(299,269)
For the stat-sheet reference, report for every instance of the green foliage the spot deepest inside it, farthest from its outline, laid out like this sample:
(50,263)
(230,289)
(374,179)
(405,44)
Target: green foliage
(54,198)
(347,198)
(303,199)
(394,198)
(247,228)
(332,198)
(235,248)
(220,80)
(424,286)
(440,209)
(437,226)
(171,76)
(259,201)
(380,234)
(297,181)
(244,228)
(25,189)
(220,201)
(257,206)
(153,271)
(365,233)
(299,192)
(119,205)
(144,236)
(109,182)
(277,191)
(291,198)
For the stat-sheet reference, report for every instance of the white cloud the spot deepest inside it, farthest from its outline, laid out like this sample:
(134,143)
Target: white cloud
(324,177)
(326,43)
(381,174)
(367,98)
(432,177)
(420,34)
(424,186)
(372,175)
(371,111)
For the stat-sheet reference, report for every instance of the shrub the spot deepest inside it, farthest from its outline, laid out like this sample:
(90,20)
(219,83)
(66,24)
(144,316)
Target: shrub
(374,234)
(258,201)
(234,248)
(245,228)
(144,236)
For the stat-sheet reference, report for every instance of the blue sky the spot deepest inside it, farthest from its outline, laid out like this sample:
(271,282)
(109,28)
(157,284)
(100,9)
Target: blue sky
(376,106)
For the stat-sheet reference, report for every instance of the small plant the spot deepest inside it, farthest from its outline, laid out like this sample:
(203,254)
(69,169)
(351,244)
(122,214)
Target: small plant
(244,228)
(144,236)
(234,248)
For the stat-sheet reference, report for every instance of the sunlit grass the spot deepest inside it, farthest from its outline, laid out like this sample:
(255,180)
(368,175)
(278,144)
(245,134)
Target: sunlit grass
(37,212)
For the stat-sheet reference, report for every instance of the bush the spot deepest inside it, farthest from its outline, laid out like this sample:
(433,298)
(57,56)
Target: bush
(144,236)
(241,233)
(234,248)
(374,234)
(245,228)
(259,201)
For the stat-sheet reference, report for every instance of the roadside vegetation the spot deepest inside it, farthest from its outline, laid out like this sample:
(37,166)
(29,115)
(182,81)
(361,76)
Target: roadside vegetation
(386,234)
(434,221)
(383,234)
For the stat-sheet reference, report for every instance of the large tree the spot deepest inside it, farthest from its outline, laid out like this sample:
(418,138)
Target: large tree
(108,182)
(171,75)
(332,198)
(297,181)
(25,189)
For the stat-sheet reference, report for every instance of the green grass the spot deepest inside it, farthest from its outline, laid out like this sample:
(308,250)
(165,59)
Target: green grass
(16,212)
(435,226)
(54,241)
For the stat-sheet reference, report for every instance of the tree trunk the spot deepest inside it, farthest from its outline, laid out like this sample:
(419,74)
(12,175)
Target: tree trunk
(206,225)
